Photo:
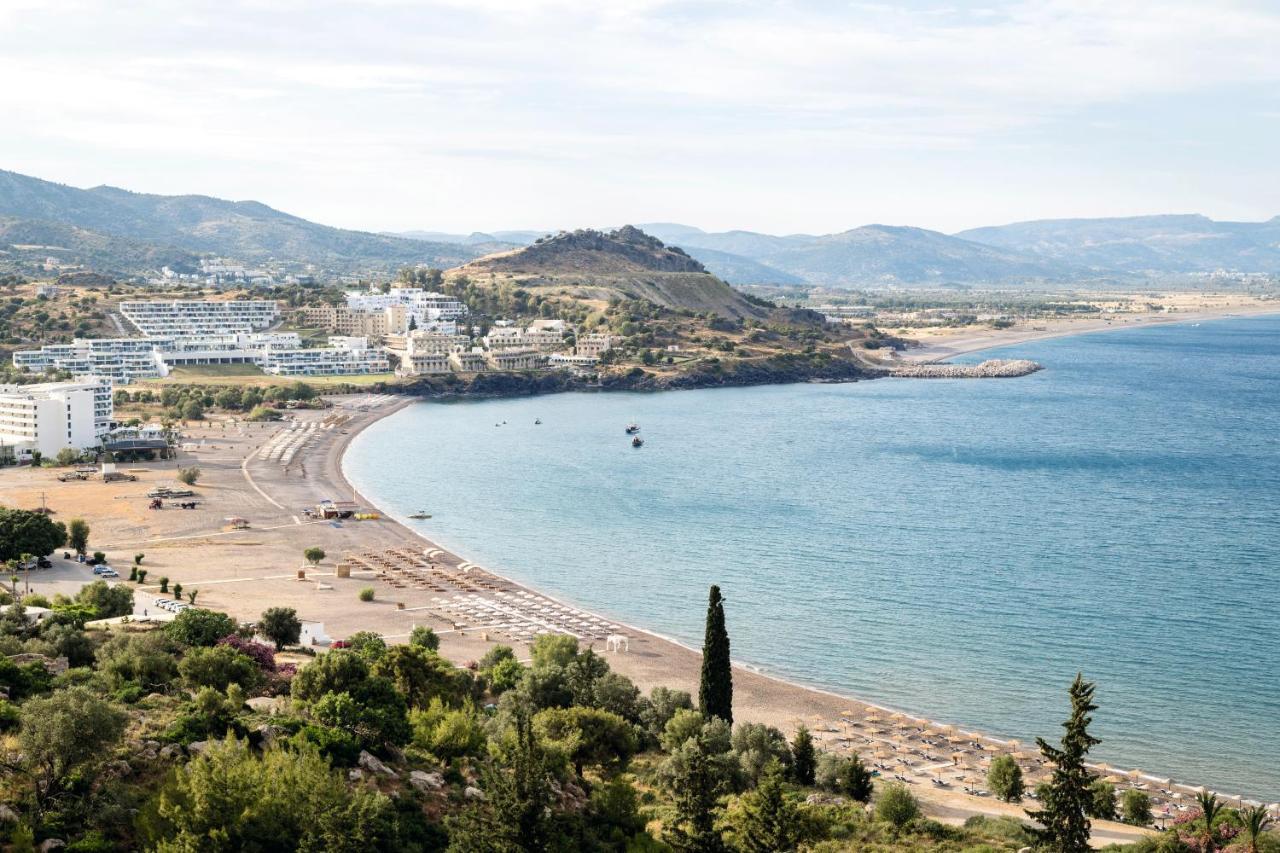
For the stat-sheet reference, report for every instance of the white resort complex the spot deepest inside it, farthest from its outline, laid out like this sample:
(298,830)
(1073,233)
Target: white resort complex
(200,316)
(417,331)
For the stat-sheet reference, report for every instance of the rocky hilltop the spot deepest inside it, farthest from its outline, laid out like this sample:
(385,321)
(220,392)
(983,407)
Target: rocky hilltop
(600,267)
(626,250)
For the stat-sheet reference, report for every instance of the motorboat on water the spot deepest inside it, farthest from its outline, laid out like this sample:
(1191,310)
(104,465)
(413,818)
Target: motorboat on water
(420,514)
(633,428)
(637,441)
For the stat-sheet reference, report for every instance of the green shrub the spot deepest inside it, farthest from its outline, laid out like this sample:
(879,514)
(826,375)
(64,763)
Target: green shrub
(896,806)
(366,594)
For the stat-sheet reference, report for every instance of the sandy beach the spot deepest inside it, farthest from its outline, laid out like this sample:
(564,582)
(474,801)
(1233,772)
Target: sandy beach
(270,473)
(942,343)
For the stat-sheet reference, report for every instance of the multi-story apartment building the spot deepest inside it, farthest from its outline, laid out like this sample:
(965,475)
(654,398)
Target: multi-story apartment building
(472,361)
(122,360)
(514,337)
(419,363)
(373,323)
(52,416)
(515,359)
(344,357)
(595,344)
(200,316)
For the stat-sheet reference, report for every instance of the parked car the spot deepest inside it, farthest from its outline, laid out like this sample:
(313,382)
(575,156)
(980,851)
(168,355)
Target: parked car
(109,573)
(102,569)
(44,563)
(339,644)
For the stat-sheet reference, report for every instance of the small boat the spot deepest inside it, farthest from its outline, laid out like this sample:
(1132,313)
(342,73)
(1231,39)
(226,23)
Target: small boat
(420,514)
(537,421)
(632,429)
(637,441)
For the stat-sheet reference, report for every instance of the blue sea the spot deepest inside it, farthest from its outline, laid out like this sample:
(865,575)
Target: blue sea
(953,548)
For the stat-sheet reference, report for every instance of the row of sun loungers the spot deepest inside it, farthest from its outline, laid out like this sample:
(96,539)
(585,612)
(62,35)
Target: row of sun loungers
(282,446)
(523,615)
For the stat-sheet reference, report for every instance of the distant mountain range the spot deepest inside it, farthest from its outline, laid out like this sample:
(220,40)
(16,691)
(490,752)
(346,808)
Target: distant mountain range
(119,232)
(1047,251)
(1141,244)
(248,231)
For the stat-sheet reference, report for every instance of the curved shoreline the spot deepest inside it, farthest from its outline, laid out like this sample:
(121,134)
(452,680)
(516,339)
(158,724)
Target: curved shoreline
(834,703)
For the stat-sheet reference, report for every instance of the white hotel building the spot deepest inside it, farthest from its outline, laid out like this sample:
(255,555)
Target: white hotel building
(200,316)
(424,306)
(53,416)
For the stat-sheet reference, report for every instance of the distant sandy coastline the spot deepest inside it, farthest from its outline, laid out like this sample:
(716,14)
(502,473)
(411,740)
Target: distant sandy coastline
(943,344)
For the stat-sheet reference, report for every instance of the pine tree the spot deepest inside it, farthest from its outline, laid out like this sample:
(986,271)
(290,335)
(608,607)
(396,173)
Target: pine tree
(770,822)
(696,794)
(803,759)
(516,815)
(1067,797)
(715,693)
(854,780)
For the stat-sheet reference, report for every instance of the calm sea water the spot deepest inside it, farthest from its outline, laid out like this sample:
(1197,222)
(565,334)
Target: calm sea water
(953,548)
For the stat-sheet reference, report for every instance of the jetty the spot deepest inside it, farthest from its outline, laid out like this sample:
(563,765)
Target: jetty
(994,368)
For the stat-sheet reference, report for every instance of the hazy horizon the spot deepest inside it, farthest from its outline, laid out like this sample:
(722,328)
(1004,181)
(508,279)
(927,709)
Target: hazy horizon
(800,117)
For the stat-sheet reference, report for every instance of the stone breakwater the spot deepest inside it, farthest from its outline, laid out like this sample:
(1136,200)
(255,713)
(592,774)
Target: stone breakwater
(994,368)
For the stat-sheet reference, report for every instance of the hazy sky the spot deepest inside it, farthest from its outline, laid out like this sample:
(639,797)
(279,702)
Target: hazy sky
(778,116)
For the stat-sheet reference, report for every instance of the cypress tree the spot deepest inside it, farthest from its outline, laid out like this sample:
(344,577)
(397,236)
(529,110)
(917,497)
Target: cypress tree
(1067,798)
(803,759)
(715,692)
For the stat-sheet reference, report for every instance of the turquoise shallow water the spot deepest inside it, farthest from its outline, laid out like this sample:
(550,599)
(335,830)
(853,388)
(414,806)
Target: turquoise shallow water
(953,548)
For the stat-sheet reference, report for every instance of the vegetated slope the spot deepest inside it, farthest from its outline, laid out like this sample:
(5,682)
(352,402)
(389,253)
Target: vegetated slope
(25,243)
(1181,243)
(246,230)
(626,263)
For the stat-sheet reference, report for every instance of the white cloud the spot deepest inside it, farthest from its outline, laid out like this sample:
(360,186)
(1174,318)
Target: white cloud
(809,104)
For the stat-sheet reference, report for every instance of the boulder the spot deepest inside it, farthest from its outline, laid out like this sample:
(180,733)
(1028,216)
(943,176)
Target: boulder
(373,765)
(355,774)
(270,734)
(8,815)
(51,844)
(197,747)
(424,781)
(473,793)
(170,752)
(120,767)
(265,704)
